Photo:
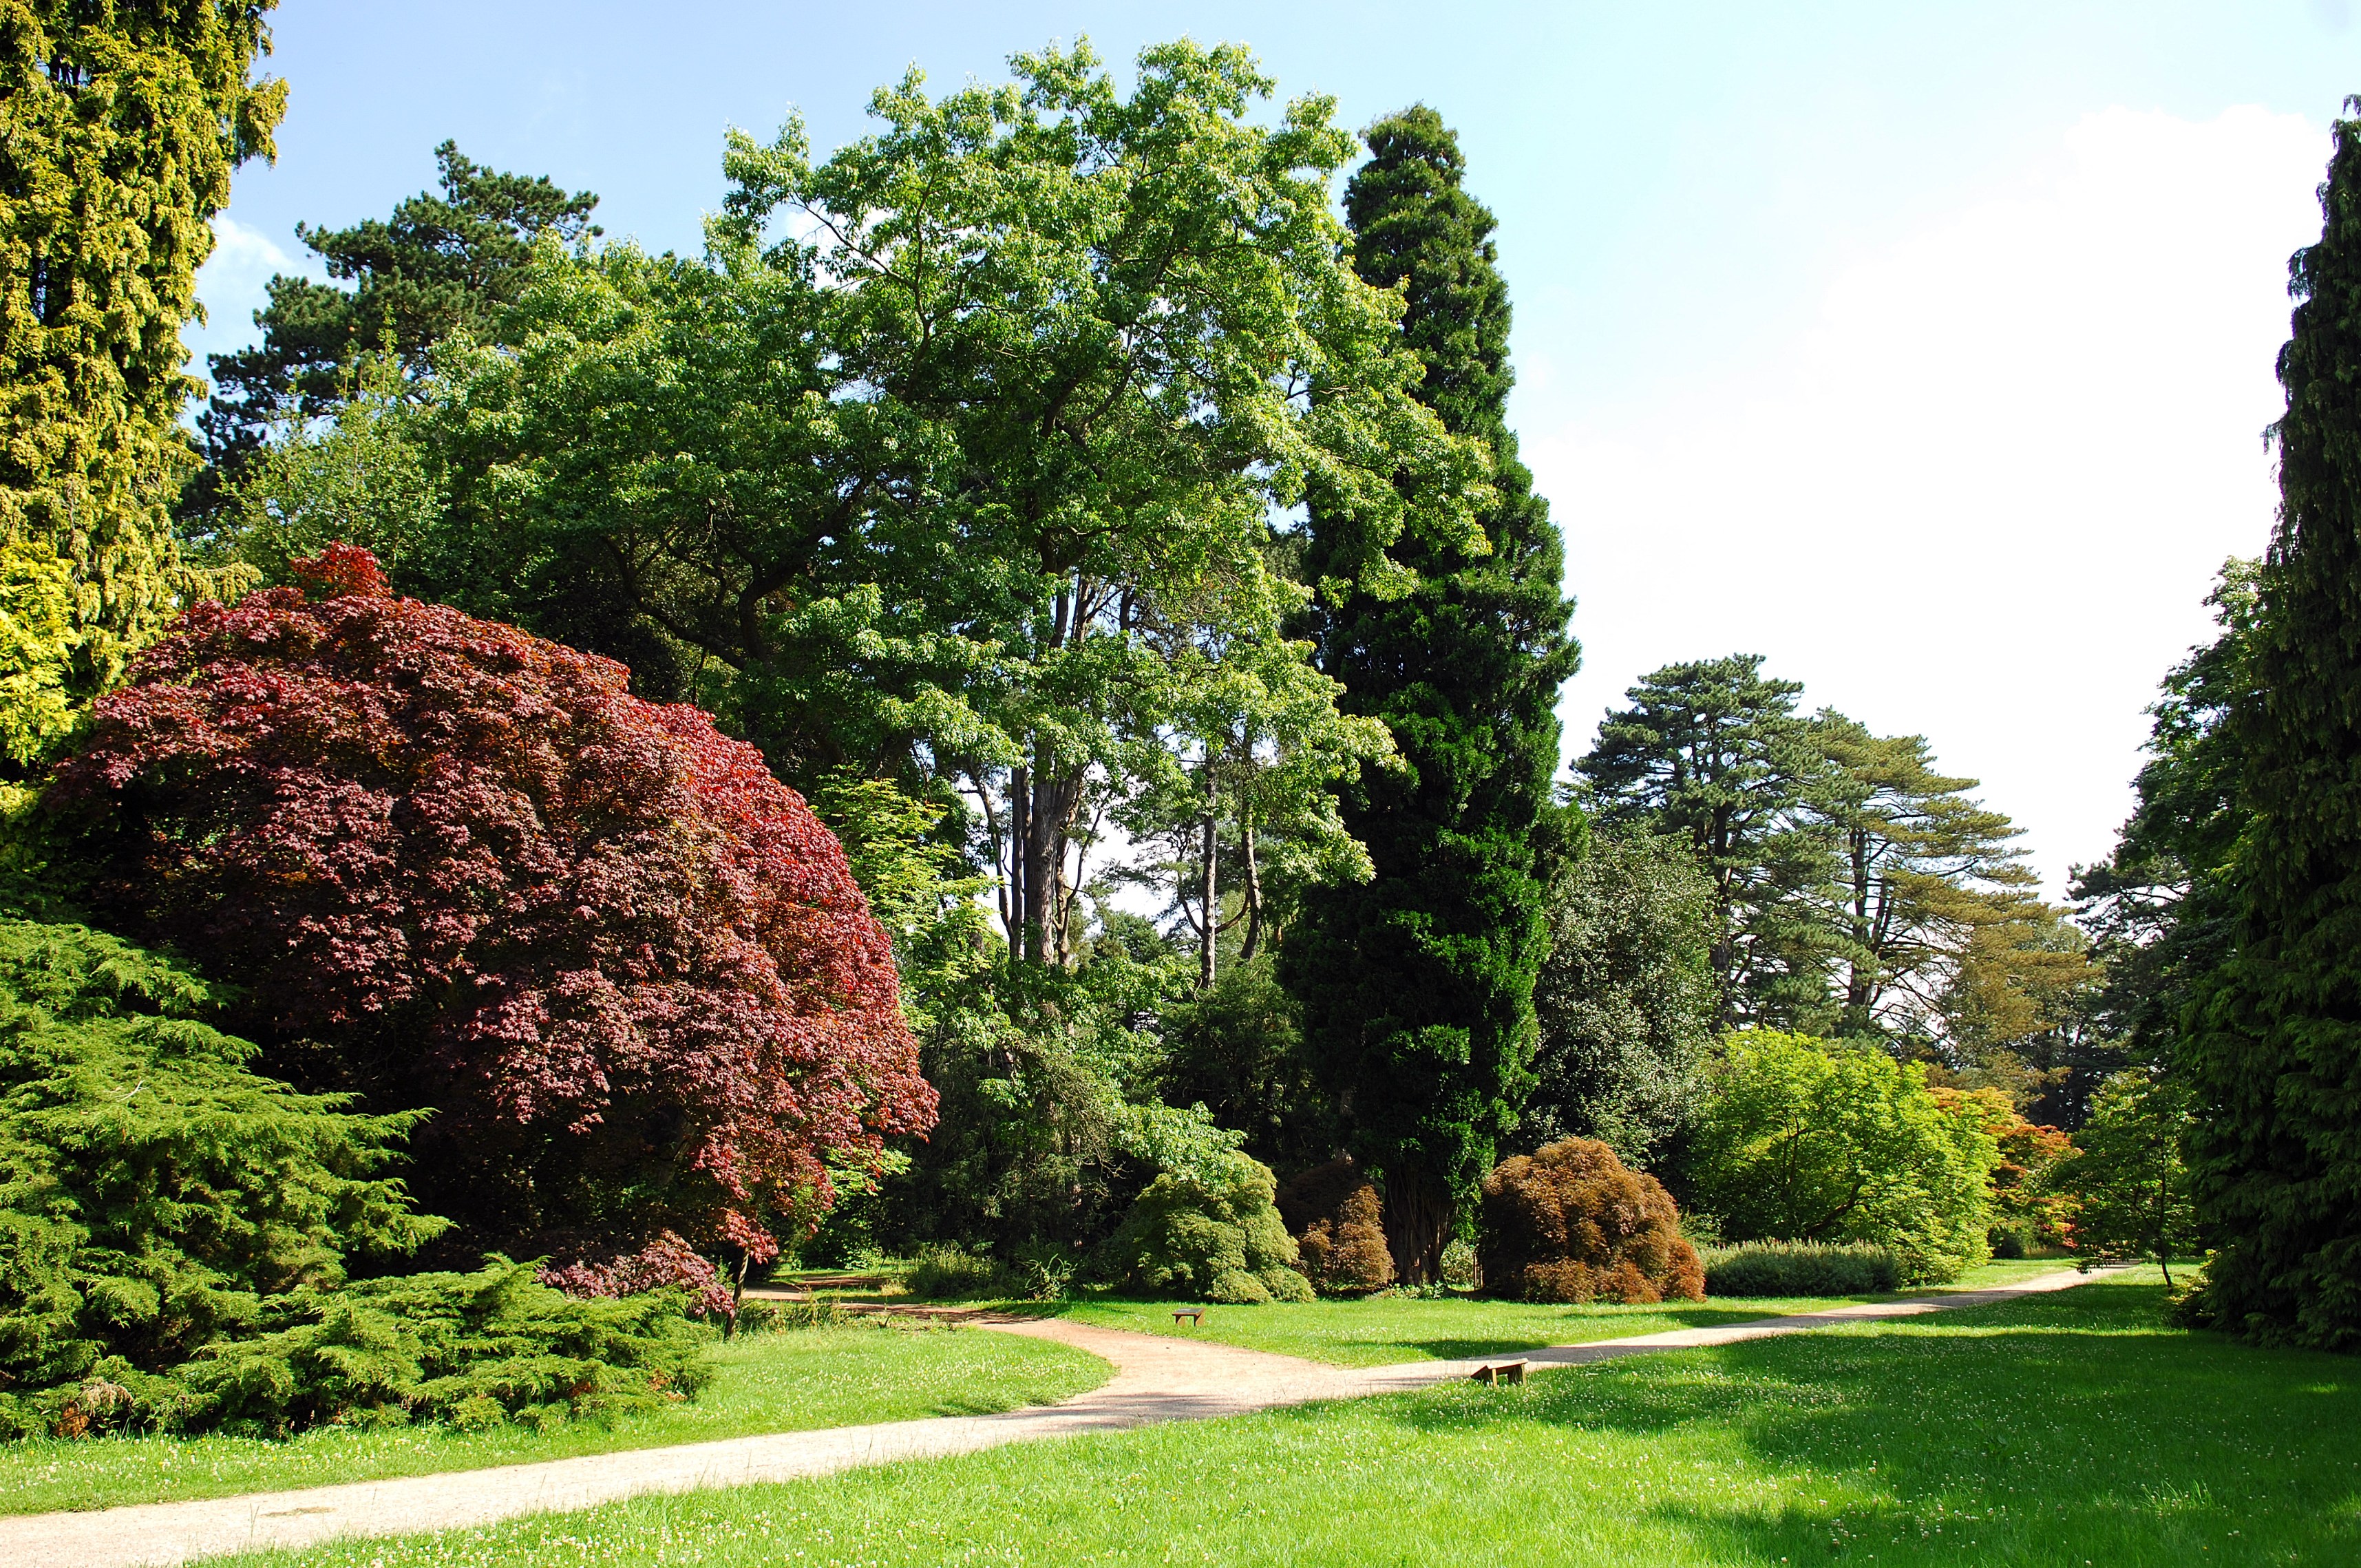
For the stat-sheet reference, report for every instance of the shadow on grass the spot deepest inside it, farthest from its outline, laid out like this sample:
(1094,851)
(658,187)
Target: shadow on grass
(2064,1429)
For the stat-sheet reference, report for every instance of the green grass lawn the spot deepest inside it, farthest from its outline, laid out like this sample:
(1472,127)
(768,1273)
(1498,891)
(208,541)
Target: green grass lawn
(789,1381)
(1390,1329)
(2050,1432)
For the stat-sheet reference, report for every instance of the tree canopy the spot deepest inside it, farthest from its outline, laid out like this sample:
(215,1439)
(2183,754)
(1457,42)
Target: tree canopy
(439,265)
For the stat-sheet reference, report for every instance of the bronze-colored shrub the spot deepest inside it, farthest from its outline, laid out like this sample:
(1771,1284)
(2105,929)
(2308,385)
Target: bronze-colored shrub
(1573,1223)
(1338,1222)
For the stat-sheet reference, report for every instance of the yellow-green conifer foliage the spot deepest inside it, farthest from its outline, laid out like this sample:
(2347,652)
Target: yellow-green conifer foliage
(120,122)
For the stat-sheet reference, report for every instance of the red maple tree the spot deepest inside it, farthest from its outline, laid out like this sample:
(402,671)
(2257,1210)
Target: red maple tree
(450,864)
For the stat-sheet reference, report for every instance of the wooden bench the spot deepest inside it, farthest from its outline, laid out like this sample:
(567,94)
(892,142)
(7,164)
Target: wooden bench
(1498,1372)
(1196,1316)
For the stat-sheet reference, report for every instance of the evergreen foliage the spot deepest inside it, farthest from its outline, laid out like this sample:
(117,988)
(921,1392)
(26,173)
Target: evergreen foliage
(1713,753)
(454,866)
(440,265)
(1211,1235)
(1810,1140)
(1627,1001)
(2161,910)
(121,124)
(2274,1058)
(155,1195)
(1417,986)
(1238,1049)
(1572,1223)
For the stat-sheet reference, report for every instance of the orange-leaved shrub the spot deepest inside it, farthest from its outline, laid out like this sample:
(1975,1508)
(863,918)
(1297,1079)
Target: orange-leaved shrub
(1572,1223)
(1338,1222)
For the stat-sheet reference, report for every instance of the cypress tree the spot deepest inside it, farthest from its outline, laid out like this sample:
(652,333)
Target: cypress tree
(119,125)
(1417,986)
(2273,1052)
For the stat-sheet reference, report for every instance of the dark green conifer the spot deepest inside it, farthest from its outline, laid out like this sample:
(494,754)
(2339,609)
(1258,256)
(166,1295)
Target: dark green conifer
(2273,1053)
(1417,986)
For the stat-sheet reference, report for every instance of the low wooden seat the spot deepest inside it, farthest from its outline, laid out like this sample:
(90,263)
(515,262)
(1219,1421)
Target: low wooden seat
(1498,1372)
(1196,1316)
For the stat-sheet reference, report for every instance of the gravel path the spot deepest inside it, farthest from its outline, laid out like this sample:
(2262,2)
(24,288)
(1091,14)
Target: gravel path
(1157,1379)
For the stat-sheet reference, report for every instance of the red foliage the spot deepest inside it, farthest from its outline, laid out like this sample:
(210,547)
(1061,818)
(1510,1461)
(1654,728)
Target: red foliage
(1572,1223)
(454,865)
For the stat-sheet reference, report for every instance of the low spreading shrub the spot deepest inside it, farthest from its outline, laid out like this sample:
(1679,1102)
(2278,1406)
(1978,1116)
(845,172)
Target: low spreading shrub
(1801,1269)
(1338,1222)
(1213,1237)
(472,1349)
(1572,1223)
(174,1231)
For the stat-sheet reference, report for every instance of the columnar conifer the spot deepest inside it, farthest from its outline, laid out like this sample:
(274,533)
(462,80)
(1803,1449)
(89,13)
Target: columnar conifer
(1418,985)
(2274,1052)
(121,124)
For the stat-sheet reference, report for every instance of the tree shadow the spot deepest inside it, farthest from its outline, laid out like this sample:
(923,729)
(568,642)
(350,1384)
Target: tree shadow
(2037,1430)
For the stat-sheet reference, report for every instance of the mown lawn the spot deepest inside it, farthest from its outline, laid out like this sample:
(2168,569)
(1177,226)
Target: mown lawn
(790,1381)
(2054,1431)
(1380,1332)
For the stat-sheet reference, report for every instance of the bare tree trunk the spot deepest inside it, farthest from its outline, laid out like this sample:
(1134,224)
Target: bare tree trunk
(1416,1210)
(1209,931)
(1253,888)
(1050,802)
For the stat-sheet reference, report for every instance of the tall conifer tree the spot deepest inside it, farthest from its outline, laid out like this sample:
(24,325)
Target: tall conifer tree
(1418,985)
(121,124)
(2275,1053)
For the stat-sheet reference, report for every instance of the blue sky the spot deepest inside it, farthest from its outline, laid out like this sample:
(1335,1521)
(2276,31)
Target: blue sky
(1924,349)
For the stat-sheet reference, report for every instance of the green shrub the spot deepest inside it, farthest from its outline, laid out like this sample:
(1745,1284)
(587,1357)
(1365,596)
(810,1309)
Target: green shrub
(1801,1269)
(471,1349)
(1571,1223)
(949,1274)
(174,1231)
(1215,1237)
(155,1197)
(1810,1140)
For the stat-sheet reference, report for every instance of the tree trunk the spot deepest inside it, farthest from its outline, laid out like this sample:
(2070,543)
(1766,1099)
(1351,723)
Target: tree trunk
(1253,888)
(1209,928)
(1044,804)
(1417,1210)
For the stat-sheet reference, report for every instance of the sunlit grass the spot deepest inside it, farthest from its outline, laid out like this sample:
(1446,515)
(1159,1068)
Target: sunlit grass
(790,1381)
(2054,1431)
(1387,1329)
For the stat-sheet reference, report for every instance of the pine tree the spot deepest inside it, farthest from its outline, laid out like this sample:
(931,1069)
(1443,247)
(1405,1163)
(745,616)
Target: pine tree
(1417,986)
(121,124)
(439,264)
(2273,1053)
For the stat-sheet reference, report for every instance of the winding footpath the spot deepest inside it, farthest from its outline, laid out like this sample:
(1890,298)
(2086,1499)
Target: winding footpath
(1157,1379)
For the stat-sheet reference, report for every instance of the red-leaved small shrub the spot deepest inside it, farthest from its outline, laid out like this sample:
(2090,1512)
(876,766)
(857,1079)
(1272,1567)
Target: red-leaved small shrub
(1572,1223)
(1338,1222)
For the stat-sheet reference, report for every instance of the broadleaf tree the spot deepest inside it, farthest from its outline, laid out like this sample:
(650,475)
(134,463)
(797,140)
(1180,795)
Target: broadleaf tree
(1417,985)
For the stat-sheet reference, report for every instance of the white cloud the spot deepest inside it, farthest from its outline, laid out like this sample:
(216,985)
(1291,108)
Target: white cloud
(1982,495)
(234,283)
